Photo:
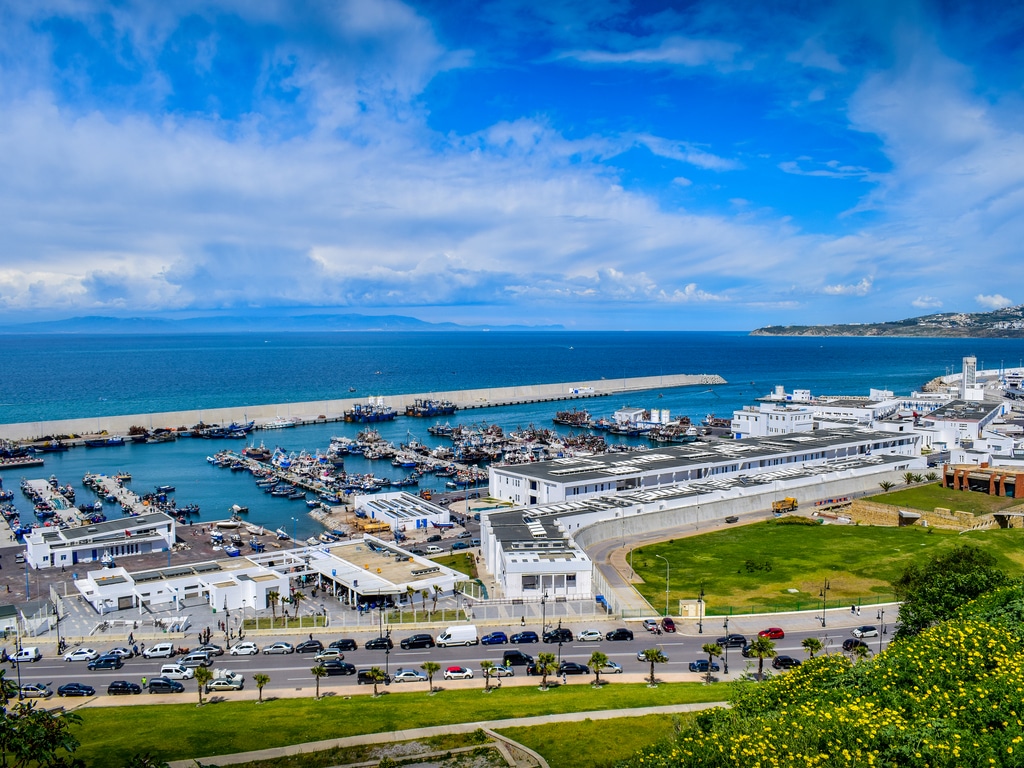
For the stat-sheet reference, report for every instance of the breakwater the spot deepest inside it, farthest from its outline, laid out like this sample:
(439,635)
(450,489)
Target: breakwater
(333,410)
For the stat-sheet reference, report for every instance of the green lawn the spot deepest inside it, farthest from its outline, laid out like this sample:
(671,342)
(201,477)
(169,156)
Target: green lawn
(111,734)
(928,497)
(750,568)
(596,743)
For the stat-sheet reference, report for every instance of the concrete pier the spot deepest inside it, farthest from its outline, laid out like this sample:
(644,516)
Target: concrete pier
(333,410)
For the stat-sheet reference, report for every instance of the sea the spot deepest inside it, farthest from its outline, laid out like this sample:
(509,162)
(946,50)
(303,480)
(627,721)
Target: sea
(51,377)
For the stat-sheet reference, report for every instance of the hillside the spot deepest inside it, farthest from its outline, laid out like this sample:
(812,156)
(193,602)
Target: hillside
(1005,323)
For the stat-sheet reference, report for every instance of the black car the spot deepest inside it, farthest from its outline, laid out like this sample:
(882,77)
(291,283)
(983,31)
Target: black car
(123,687)
(785,662)
(701,665)
(525,637)
(416,641)
(76,689)
(365,678)
(619,634)
(105,662)
(732,641)
(344,644)
(434,537)
(516,658)
(560,635)
(309,646)
(572,668)
(851,643)
(335,667)
(379,644)
(165,685)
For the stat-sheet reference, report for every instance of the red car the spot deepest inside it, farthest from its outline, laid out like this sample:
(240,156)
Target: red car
(668,625)
(772,633)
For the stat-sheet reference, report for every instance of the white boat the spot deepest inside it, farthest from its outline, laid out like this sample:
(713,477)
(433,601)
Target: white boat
(279,423)
(281,534)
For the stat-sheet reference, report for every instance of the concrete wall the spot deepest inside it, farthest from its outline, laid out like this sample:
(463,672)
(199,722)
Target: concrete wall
(334,409)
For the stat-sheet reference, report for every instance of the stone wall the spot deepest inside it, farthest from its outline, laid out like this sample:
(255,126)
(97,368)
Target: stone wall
(874,513)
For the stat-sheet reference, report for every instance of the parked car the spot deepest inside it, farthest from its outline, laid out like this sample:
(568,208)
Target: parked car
(125,653)
(279,647)
(732,641)
(668,625)
(406,675)
(458,673)
(619,634)
(572,668)
(417,641)
(433,537)
(244,649)
(701,665)
(651,625)
(745,652)
(309,646)
(640,656)
(344,644)
(363,677)
(611,668)
(76,689)
(494,638)
(732,519)
(865,631)
(527,636)
(30,653)
(122,688)
(850,643)
(234,683)
(456,545)
(81,654)
(559,635)
(516,658)
(210,648)
(164,685)
(160,651)
(379,644)
(35,691)
(329,654)
(590,635)
(197,659)
(785,662)
(772,633)
(338,667)
(105,662)
(464,535)
(503,671)
(177,672)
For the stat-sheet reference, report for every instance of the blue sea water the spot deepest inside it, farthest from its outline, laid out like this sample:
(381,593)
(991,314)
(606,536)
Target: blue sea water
(47,377)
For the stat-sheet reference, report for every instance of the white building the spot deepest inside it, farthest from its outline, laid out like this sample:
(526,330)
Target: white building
(403,512)
(766,419)
(109,540)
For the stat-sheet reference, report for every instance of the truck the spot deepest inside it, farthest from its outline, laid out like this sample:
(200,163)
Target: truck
(464,634)
(787,504)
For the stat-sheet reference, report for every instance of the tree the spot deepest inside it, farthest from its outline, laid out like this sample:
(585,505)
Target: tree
(596,663)
(762,648)
(713,650)
(203,676)
(933,592)
(487,667)
(145,760)
(812,645)
(261,680)
(886,485)
(411,593)
(437,594)
(30,735)
(318,671)
(297,599)
(431,668)
(272,597)
(653,656)
(931,477)
(908,478)
(424,594)
(378,676)
(546,666)
(859,652)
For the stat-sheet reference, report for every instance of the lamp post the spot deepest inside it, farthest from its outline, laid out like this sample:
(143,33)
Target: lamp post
(700,610)
(881,620)
(17,628)
(56,624)
(666,581)
(543,613)
(824,590)
(295,532)
(559,652)
(726,625)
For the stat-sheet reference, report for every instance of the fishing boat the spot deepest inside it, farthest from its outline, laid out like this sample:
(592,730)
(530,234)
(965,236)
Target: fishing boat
(232,551)
(428,408)
(280,423)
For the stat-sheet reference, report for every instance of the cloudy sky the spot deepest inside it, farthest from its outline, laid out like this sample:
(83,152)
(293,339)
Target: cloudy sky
(594,163)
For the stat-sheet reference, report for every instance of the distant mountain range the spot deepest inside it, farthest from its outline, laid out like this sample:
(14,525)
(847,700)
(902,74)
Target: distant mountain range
(1000,324)
(255,323)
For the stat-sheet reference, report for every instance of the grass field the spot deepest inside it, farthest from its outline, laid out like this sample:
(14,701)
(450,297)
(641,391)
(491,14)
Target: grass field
(928,497)
(751,568)
(110,735)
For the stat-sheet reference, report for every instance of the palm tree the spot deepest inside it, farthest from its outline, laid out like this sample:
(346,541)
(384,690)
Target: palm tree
(860,652)
(546,666)
(487,667)
(378,676)
(318,671)
(653,656)
(431,668)
(261,680)
(931,477)
(886,485)
(410,592)
(908,478)
(812,645)
(297,599)
(762,648)
(596,663)
(203,676)
(713,650)
(424,594)
(437,593)
(918,477)
(272,597)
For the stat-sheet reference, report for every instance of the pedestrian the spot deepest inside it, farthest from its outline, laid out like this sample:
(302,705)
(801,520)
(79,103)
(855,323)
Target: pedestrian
(522,621)
(62,569)
(853,610)
(310,635)
(143,681)
(858,610)
(142,647)
(565,680)
(131,638)
(135,650)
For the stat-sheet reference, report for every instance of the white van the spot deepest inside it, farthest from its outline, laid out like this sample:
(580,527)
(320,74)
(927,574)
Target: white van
(197,659)
(27,654)
(463,634)
(177,672)
(433,549)
(159,651)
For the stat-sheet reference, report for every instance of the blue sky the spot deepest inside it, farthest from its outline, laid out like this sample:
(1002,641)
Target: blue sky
(602,165)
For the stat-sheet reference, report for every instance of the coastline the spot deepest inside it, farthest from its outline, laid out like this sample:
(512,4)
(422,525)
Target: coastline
(333,410)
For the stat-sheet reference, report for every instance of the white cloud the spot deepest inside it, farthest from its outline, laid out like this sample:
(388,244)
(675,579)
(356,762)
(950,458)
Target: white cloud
(994,301)
(677,51)
(861,288)
(682,181)
(831,169)
(813,54)
(686,153)
(926,302)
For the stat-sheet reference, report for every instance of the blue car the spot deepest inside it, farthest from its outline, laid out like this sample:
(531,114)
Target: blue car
(495,638)
(701,665)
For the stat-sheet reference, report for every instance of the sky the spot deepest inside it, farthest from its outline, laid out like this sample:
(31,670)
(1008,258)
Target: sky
(598,164)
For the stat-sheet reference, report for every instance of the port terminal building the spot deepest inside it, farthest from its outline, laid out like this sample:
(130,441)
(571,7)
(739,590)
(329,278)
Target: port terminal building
(108,541)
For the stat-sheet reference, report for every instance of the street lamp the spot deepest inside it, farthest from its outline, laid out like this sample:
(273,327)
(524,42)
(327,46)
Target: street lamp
(700,610)
(295,533)
(726,625)
(824,589)
(543,613)
(559,652)
(666,581)
(881,620)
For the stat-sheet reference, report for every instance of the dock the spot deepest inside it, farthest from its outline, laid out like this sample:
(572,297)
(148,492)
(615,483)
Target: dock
(333,410)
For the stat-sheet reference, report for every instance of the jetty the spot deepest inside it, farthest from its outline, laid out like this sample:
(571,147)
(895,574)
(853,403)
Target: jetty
(320,411)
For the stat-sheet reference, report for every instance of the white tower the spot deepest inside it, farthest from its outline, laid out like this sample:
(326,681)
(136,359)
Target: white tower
(969,379)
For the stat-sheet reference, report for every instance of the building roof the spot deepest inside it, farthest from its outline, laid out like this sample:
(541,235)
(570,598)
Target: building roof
(963,410)
(108,529)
